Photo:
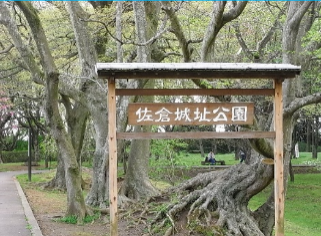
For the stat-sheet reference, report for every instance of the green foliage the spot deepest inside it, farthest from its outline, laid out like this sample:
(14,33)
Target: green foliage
(167,148)
(48,148)
(205,230)
(68,219)
(21,145)
(14,156)
(74,219)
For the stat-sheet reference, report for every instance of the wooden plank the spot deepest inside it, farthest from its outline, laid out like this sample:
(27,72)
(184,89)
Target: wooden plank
(196,135)
(112,142)
(190,113)
(190,92)
(278,160)
(196,70)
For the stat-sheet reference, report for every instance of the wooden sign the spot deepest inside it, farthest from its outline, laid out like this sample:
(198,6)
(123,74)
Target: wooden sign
(190,113)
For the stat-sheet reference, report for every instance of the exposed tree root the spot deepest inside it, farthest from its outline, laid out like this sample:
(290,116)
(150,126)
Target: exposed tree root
(216,202)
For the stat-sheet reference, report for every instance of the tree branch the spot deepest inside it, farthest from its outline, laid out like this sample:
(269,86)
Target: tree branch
(7,49)
(297,17)
(218,20)
(234,12)
(177,30)
(28,58)
(298,103)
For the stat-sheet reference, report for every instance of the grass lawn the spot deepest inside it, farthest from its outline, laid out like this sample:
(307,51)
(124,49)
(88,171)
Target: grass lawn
(302,205)
(194,159)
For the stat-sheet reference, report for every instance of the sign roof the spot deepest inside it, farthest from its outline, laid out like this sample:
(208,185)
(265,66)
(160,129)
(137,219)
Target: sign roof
(197,70)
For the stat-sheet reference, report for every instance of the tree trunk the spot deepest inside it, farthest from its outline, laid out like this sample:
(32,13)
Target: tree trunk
(75,200)
(96,102)
(315,138)
(201,147)
(309,138)
(59,181)
(137,184)
(36,149)
(227,194)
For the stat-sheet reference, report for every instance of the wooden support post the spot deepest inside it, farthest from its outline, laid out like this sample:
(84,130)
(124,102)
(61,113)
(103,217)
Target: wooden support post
(112,142)
(278,159)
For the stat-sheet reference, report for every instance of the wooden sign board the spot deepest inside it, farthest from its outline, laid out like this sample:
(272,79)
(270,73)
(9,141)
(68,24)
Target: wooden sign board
(190,113)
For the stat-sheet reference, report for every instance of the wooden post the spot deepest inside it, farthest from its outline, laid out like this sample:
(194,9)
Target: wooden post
(112,142)
(278,159)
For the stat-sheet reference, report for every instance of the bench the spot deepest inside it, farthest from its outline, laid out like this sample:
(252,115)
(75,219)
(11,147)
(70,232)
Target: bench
(209,163)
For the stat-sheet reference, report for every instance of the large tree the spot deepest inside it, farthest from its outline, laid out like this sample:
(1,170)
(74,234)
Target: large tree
(218,201)
(48,75)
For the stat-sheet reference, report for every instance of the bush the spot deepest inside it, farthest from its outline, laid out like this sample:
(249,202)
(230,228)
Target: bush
(21,145)
(14,156)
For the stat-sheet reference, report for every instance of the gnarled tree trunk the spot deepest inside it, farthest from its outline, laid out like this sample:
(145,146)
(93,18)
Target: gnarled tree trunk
(217,201)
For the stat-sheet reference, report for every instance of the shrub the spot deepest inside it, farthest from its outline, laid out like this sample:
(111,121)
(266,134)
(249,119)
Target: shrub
(14,156)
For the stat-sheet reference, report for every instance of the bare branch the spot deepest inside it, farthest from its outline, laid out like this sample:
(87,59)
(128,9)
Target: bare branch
(297,17)
(218,20)
(298,103)
(7,49)
(28,58)
(177,30)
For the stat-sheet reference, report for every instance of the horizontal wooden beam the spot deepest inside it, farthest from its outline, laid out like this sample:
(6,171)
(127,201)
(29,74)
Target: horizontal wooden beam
(190,92)
(196,135)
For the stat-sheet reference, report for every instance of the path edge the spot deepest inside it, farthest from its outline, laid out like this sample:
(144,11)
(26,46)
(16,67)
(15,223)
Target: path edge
(35,229)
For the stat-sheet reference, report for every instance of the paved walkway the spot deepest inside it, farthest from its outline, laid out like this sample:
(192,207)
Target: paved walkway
(16,217)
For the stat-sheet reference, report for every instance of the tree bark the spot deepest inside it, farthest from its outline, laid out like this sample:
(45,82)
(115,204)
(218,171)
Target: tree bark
(95,95)
(137,184)
(308,127)
(226,194)
(75,201)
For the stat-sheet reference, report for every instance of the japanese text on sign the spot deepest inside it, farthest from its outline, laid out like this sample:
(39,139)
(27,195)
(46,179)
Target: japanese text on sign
(191,113)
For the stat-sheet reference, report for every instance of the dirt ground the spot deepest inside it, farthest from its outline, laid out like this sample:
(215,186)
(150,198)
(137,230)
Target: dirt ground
(49,207)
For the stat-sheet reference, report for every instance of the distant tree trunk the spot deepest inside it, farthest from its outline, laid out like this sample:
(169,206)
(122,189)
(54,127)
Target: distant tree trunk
(309,136)
(36,149)
(200,141)
(315,137)
(237,150)
(59,181)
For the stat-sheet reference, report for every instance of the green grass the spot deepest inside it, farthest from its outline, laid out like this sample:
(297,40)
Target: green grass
(191,159)
(10,166)
(305,158)
(20,166)
(302,205)
(194,159)
(74,220)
